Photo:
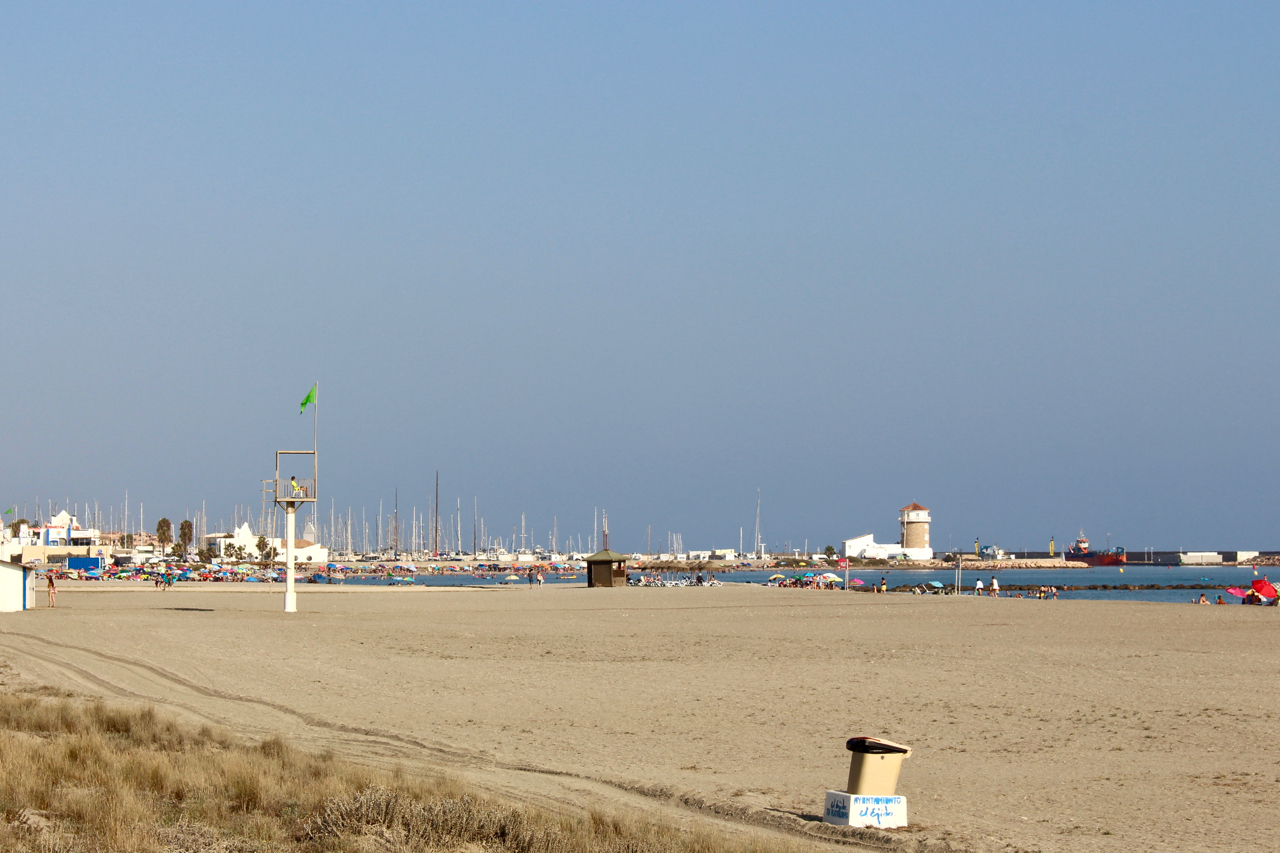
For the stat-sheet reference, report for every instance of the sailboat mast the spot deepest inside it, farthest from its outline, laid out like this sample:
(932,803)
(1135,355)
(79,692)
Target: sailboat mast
(757,545)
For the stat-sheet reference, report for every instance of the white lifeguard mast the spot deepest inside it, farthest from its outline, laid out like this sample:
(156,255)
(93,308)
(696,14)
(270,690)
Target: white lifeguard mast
(297,476)
(292,490)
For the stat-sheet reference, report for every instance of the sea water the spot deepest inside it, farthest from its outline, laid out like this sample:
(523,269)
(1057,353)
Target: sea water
(1211,580)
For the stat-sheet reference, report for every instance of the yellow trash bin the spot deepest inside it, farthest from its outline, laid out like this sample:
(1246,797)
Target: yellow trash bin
(875,765)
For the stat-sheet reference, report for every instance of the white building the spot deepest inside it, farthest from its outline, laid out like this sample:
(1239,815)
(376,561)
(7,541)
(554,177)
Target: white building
(62,536)
(866,547)
(228,546)
(17,588)
(913,520)
(10,545)
(63,530)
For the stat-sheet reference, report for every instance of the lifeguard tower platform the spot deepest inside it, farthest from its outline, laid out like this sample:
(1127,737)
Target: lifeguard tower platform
(297,476)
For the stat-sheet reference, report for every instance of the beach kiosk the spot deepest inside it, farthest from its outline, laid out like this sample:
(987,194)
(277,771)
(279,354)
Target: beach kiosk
(17,587)
(607,568)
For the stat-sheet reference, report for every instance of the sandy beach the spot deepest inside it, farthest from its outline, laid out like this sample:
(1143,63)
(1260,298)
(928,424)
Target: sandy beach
(1037,725)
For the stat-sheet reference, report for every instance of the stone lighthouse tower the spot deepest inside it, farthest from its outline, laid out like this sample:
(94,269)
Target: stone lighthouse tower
(915,526)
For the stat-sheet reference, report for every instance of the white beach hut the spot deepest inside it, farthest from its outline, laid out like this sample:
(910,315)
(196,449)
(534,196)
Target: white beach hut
(17,587)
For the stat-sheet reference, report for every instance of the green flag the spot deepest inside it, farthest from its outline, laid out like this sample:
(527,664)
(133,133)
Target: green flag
(9,511)
(310,398)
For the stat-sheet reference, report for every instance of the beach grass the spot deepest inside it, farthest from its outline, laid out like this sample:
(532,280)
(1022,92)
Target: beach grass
(83,775)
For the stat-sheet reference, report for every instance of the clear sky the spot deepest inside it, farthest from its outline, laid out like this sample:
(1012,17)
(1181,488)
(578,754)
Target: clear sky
(1017,262)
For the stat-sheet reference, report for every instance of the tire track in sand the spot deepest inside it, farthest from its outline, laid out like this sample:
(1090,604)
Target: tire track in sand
(563,792)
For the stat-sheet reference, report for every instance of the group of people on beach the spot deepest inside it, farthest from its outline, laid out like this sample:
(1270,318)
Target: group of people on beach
(1042,593)
(647,578)
(1250,597)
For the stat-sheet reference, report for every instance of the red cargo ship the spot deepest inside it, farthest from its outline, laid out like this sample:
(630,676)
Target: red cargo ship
(1080,553)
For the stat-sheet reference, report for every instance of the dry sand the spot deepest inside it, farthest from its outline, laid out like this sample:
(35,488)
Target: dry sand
(1068,725)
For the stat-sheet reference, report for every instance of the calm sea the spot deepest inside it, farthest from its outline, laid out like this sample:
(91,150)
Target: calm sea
(1211,580)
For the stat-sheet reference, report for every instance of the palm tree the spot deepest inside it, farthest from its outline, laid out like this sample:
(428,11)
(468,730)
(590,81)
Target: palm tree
(186,532)
(164,534)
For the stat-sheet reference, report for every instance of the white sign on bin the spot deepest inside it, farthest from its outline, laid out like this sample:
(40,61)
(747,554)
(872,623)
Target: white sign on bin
(845,809)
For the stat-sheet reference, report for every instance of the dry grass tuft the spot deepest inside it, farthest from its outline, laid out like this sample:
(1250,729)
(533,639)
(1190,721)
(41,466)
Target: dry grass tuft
(78,776)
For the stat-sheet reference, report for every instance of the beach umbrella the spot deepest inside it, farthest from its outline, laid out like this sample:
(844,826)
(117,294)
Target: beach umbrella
(511,578)
(936,584)
(1264,589)
(776,577)
(857,581)
(1236,591)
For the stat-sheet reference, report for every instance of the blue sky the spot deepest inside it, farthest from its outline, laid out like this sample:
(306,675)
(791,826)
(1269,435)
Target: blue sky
(1016,262)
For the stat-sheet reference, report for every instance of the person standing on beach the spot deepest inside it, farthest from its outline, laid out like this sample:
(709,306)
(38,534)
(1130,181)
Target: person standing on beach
(995,587)
(53,591)
(884,584)
(977,587)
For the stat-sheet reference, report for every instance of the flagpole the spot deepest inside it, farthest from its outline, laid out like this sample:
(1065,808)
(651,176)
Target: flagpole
(315,457)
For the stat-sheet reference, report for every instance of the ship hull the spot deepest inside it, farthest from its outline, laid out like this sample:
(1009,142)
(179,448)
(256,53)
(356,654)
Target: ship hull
(1100,559)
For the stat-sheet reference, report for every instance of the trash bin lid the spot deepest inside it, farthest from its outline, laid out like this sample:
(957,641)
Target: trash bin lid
(876,746)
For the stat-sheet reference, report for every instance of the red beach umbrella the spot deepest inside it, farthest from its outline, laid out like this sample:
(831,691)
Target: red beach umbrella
(1264,589)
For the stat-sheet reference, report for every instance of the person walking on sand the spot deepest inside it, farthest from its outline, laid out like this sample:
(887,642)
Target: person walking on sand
(977,587)
(539,578)
(884,584)
(995,587)
(53,591)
